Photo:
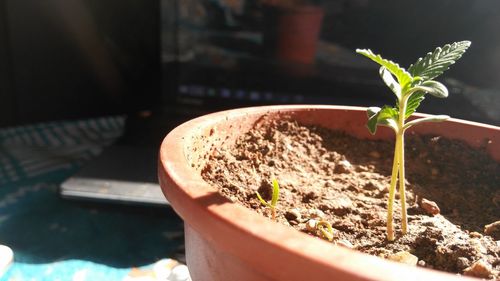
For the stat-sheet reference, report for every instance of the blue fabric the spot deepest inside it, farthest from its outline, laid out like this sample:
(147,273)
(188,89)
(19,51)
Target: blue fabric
(55,239)
(67,270)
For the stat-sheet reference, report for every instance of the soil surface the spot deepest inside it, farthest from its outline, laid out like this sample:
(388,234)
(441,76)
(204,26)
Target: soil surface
(453,192)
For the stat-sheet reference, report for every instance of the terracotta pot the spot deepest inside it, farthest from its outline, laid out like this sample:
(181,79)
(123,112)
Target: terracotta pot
(225,241)
(291,33)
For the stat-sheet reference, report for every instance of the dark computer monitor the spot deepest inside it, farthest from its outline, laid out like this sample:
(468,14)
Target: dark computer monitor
(224,54)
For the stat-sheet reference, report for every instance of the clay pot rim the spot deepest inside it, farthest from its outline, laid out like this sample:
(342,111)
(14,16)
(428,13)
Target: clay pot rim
(201,206)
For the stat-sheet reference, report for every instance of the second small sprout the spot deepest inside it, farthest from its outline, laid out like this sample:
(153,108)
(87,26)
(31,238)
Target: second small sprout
(326,230)
(274,199)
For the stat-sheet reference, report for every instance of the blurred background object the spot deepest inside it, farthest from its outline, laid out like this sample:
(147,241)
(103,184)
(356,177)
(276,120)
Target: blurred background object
(291,29)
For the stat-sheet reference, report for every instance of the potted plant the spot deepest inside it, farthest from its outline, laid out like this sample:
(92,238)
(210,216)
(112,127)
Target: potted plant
(226,241)
(291,29)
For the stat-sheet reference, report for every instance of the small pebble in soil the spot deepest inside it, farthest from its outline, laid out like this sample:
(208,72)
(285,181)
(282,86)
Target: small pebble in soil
(328,183)
(403,257)
(343,167)
(316,214)
(462,263)
(372,185)
(311,225)
(493,230)
(363,168)
(340,205)
(479,269)
(345,243)
(293,215)
(475,234)
(430,207)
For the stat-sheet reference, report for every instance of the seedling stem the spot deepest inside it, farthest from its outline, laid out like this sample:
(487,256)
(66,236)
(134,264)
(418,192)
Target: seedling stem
(274,199)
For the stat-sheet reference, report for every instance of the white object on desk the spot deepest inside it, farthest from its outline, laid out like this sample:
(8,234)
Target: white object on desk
(6,258)
(162,270)
(180,273)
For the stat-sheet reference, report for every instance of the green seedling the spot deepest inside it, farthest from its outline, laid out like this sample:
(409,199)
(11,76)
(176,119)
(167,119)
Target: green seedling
(274,199)
(325,230)
(410,88)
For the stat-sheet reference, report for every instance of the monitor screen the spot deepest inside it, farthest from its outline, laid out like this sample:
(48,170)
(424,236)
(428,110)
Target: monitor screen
(229,53)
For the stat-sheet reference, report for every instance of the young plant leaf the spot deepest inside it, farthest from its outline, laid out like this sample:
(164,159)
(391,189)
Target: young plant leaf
(434,88)
(262,200)
(436,118)
(437,62)
(372,110)
(276,193)
(401,74)
(274,198)
(372,113)
(413,103)
(385,116)
(417,95)
(390,82)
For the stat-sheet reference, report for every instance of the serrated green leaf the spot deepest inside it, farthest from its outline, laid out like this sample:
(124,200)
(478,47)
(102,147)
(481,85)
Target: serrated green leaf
(390,82)
(413,103)
(437,62)
(418,95)
(276,193)
(400,73)
(386,116)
